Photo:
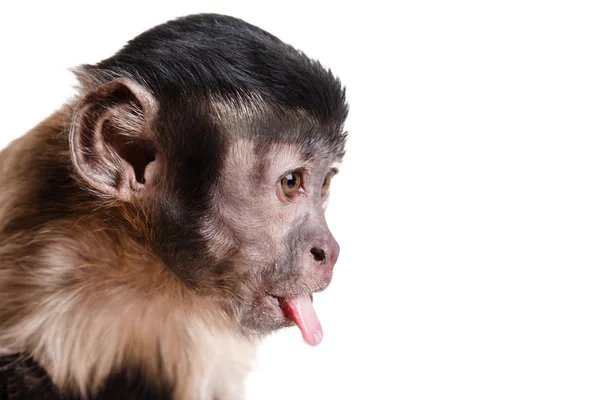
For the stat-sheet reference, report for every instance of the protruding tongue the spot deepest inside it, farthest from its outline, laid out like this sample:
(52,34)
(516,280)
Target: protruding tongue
(300,310)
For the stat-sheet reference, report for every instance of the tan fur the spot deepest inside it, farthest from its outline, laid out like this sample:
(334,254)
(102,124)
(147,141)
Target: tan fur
(241,116)
(84,299)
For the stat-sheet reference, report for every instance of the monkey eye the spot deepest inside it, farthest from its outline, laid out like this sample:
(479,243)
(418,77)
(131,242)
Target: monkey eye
(291,184)
(326,184)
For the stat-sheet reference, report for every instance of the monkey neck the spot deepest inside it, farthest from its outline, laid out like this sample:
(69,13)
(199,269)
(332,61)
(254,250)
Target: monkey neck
(86,298)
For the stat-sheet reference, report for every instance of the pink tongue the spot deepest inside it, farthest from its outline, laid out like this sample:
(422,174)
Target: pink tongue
(300,309)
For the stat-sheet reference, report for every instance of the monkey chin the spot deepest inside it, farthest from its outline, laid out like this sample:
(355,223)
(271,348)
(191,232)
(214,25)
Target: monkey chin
(269,313)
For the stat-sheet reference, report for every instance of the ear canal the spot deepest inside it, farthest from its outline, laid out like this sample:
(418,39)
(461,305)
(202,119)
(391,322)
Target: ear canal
(113,140)
(120,136)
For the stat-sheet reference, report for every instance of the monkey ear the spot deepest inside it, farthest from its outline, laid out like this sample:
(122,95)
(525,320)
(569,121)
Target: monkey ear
(113,140)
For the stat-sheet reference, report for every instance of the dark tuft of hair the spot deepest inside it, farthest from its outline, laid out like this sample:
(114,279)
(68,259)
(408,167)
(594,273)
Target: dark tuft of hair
(210,55)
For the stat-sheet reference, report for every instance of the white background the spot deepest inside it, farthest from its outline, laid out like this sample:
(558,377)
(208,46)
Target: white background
(468,207)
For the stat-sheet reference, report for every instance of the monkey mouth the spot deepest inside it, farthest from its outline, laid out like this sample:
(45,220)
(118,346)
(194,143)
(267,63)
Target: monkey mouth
(300,310)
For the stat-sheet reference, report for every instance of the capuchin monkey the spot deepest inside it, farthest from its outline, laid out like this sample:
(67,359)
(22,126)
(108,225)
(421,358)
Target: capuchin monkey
(156,227)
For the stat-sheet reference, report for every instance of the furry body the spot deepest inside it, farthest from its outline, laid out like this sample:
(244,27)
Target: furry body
(129,263)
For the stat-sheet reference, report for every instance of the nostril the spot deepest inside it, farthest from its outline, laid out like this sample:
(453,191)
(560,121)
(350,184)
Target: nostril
(318,254)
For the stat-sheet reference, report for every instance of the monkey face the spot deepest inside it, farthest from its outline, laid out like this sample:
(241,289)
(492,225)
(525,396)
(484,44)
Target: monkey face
(274,200)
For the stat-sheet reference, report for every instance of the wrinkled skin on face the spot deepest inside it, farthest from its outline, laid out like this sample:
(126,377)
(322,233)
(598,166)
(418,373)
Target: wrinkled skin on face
(288,252)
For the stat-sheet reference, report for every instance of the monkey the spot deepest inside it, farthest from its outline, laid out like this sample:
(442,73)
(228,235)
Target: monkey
(171,215)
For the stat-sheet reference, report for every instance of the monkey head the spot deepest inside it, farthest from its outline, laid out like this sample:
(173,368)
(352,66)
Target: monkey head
(217,143)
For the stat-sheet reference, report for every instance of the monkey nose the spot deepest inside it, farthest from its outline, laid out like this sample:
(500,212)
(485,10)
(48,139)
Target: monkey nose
(328,254)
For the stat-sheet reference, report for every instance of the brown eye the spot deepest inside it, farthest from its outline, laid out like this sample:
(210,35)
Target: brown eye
(291,184)
(326,184)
